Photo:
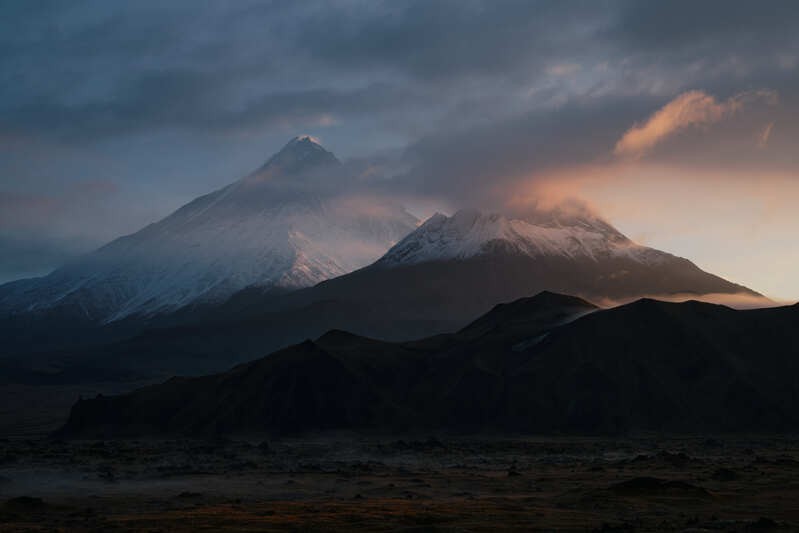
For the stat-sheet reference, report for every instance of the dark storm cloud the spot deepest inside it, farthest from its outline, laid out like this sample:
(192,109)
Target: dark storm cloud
(652,53)
(474,93)
(127,72)
(438,40)
(194,101)
(71,73)
(682,24)
(494,155)
(110,68)
(479,165)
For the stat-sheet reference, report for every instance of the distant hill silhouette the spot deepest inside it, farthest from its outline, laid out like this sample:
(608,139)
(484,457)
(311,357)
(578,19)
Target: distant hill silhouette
(550,363)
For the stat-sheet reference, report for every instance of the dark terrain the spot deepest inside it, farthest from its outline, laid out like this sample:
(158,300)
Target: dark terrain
(657,416)
(528,367)
(351,482)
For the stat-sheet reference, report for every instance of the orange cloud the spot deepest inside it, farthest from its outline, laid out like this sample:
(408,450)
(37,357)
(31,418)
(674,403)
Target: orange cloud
(762,139)
(692,108)
(727,222)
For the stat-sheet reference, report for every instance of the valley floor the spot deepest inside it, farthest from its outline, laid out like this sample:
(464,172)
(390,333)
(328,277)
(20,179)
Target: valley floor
(350,483)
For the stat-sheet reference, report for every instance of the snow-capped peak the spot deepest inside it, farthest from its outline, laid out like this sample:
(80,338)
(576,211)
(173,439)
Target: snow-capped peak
(305,139)
(469,233)
(288,225)
(301,154)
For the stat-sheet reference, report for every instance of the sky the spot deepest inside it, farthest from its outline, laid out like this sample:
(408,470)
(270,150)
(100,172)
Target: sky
(677,121)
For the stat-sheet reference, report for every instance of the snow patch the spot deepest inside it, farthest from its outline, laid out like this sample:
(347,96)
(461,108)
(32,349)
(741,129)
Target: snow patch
(469,233)
(255,232)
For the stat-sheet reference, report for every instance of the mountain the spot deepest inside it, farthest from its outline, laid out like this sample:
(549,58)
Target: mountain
(599,260)
(542,364)
(470,233)
(452,269)
(436,280)
(280,228)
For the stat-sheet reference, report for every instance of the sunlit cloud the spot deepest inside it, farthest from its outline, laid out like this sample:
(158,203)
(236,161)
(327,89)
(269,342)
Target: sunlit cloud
(721,219)
(763,137)
(549,105)
(689,109)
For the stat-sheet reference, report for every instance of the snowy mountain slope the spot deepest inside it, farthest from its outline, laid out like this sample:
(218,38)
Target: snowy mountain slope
(469,233)
(281,227)
(438,279)
(452,269)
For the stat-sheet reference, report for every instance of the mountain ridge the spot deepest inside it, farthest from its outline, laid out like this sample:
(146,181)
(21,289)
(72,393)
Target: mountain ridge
(644,366)
(472,267)
(272,229)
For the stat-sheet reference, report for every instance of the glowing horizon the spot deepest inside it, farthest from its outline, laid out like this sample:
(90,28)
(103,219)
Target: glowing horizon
(680,130)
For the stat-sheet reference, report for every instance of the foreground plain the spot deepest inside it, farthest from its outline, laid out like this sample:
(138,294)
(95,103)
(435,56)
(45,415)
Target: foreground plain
(348,483)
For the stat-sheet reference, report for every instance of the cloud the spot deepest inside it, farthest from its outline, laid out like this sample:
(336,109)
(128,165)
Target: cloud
(680,25)
(689,109)
(171,101)
(104,70)
(763,136)
(40,231)
(736,300)
(21,210)
(26,256)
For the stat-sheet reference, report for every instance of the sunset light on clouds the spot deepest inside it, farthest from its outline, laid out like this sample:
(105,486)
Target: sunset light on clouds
(399,265)
(621,106)
(690,109)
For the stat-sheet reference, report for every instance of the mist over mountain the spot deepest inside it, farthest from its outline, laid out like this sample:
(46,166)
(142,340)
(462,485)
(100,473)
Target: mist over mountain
(436,280)
(287,225)
(291,251)
(458,267)
(382,265)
